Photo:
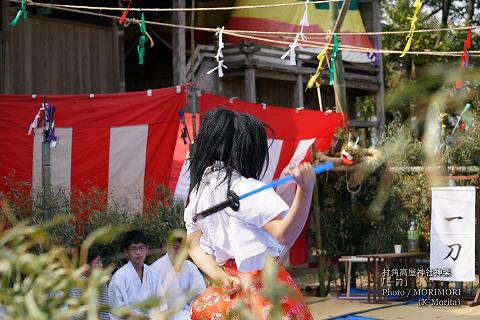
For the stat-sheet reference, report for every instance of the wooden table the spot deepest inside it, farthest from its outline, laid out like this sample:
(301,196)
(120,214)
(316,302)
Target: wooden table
(379,260)
(348,260)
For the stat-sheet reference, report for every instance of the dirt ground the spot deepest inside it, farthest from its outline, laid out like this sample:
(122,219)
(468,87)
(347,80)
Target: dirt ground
(331,307)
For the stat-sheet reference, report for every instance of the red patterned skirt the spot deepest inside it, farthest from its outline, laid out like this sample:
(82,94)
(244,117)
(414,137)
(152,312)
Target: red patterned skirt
(214,304)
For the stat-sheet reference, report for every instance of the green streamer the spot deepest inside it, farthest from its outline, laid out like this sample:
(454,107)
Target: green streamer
(142,41)
(20,13)
(468,106)
(333,58)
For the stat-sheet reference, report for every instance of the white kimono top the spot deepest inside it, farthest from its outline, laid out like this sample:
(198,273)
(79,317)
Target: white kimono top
(175,285)
(230,234)
(126,288)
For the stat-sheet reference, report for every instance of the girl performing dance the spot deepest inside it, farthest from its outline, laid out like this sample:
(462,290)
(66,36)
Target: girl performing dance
(231,154)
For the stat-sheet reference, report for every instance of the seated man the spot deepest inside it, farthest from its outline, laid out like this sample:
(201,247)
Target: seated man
(94,260)
(178,277)
(135,281)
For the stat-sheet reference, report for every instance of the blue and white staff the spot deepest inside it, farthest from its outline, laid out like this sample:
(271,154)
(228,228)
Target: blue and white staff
(233,200)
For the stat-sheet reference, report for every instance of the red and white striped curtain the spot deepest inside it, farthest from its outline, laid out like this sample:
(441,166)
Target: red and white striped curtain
(294,133)
(126,144)
(120,143)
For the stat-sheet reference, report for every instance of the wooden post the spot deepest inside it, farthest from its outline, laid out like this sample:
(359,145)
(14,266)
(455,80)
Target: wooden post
(4,49)
(178,45)
(46,182)
(377,43)
(118,56)
(192,44)
(193,89)
(250,87)
(194,101)
(299,101)
(318,233)
(339,84)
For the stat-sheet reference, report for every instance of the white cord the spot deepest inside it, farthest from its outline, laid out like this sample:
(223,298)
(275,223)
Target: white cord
(291,51)
(219,54)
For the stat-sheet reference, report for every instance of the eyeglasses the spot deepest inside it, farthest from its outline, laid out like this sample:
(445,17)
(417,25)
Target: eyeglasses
(140,249)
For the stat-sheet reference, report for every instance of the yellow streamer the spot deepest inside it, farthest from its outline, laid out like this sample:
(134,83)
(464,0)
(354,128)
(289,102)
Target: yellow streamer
(321,57)
(413,21)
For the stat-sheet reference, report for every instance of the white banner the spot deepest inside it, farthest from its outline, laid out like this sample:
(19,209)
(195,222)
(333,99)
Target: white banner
(452,234)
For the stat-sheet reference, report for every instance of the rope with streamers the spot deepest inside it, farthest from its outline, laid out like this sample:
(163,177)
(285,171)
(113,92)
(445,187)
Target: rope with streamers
(124,14)
(128,22)
(413,21)
(246,7)
(50,127)
(291,51)
(465,59)
(243,34)
(321,57)
(463,115)
(73,8)
(48,111)
(142,41)
(35,122)
(219,54)
(466,47)
(20,13)
(333,58)
(300,35)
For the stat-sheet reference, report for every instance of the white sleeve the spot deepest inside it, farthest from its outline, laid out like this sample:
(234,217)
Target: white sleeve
(189,224)
(259,208)
(200,199)
(197,283)
(160,292)
(116,295)
(188,215)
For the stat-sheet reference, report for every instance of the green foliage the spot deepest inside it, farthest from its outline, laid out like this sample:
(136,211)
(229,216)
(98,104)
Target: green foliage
(465,146)
(373,213)
(89,211)
(35,285)
(366,106)
(408,70)
(349,227)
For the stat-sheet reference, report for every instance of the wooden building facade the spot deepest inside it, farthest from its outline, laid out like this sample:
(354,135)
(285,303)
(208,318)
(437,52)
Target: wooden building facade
(42,55)
(48,55)
(257,74)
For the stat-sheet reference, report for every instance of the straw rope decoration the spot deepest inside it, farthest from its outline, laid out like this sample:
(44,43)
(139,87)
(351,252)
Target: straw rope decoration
(321,57)
(322,34)
(303,23)
(464,61)
(21,13)
(142,41)
(219,54)
(261,6)
(333,59)
(413,23)
(124,14)
(248,34)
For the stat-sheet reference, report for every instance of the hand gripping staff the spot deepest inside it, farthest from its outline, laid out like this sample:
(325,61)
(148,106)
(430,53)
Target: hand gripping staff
(233,200)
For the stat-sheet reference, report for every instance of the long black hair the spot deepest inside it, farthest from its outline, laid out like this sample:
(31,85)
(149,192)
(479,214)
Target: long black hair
(238,140)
